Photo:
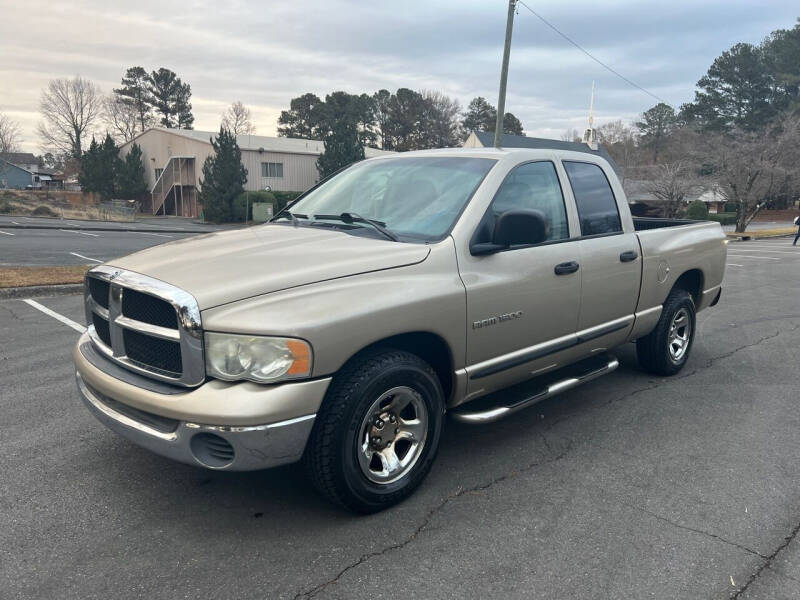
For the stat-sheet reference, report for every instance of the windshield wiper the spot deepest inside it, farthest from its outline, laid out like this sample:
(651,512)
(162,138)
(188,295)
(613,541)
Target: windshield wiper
(351,217)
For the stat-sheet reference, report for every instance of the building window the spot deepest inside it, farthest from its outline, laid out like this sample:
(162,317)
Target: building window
(158,173)
(272,170)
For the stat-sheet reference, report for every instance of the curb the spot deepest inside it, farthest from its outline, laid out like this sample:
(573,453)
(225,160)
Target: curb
(36,291)
(743,237)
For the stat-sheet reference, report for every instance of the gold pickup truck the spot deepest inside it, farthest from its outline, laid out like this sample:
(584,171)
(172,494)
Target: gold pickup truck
(473,282)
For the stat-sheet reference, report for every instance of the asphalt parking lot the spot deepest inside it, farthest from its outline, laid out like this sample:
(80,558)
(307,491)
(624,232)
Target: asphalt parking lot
(29,241)
(632,486)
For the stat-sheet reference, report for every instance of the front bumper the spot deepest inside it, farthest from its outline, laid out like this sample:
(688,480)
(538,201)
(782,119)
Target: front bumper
(219,425)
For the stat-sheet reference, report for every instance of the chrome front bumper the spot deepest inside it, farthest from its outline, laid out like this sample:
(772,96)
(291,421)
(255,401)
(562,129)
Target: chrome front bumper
(249,447)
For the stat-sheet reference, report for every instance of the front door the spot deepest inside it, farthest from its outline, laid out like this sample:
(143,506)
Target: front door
(522,312)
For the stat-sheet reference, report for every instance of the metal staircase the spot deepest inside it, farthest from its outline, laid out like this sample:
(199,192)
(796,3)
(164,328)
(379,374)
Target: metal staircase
(175,192)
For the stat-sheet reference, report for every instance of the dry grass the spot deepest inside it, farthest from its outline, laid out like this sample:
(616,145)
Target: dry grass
(26,276)
(761,233)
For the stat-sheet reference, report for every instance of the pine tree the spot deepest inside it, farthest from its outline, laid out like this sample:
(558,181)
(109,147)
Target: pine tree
(98,164)
(135,92)
(342,147)
(224,177)
(130,181)
(170,97)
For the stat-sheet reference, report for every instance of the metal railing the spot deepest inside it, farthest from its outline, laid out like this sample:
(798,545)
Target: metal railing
(179,171)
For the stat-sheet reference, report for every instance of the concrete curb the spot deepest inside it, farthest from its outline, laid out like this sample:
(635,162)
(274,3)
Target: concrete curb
(123,229)
(744,237)
(36,291)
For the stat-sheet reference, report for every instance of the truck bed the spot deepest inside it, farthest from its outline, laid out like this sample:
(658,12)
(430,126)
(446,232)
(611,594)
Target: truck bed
(644,223)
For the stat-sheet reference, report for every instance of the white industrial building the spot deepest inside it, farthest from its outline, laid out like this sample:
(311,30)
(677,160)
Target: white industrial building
(174,158)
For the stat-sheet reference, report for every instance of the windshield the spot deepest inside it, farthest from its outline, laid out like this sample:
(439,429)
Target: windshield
(418,197)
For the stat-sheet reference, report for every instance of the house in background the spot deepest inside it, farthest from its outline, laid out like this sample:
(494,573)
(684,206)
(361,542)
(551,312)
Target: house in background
(21,170)
(173,161)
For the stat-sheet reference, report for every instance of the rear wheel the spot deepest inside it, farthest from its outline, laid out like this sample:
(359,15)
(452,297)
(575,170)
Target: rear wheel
(377,432)
(666,349)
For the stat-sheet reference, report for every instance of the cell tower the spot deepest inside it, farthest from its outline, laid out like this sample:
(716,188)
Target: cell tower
(589,134)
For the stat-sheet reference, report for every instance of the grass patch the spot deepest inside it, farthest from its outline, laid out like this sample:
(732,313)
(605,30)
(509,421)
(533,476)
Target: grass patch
(26,276)
(761,233)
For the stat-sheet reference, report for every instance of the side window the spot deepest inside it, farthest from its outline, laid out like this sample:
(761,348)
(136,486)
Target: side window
(597,208)
(535,185)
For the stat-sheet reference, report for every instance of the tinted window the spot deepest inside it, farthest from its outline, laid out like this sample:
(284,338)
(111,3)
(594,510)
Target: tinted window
(597,208)
(535,185)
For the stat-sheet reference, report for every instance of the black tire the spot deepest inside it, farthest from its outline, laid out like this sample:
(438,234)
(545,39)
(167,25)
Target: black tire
(331,456)
(653,350)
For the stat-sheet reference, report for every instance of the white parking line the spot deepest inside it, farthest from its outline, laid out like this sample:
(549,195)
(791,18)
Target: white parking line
(76,326)
(158,234)
(15,223)
(734,265)
(80,232)
(6,233)
(795,252)
(85,257)
(757,257)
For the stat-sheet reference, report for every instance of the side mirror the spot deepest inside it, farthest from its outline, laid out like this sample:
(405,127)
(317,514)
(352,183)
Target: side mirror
(519,227)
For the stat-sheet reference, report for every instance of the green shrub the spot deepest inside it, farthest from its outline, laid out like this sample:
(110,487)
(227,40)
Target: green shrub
(698,210)
(730,207)
(5,207)
(44,211)
(723,218)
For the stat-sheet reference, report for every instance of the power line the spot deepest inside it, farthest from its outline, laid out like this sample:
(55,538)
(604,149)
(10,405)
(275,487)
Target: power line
(590,55)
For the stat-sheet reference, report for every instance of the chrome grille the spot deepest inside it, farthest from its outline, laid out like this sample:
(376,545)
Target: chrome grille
(145,325)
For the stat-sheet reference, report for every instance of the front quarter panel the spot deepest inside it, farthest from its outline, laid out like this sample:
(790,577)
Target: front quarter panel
(342,316)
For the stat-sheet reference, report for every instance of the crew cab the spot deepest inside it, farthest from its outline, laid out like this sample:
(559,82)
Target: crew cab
(473,282)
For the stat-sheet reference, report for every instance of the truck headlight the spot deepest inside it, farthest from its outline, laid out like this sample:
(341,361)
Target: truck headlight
(257,358)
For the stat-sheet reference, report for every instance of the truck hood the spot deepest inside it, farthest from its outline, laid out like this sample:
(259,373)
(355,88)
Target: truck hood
(227,266)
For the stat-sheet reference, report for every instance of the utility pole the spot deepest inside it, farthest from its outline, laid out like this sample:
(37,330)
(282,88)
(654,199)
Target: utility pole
(501,100)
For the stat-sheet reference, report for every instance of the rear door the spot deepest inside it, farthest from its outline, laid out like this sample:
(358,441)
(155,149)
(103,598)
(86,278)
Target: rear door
(610,260)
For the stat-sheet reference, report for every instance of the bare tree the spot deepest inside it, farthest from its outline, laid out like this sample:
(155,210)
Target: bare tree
(621,143)
(70,110)
(671,183)
(237,119)
(122,118)
(750,166)
(9,134)
(571,135)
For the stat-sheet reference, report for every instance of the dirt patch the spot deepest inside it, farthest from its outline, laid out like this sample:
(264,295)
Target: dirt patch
(25,276)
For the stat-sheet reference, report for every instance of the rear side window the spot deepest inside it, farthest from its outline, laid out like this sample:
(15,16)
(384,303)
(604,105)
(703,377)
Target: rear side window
(597,208)
(535,186)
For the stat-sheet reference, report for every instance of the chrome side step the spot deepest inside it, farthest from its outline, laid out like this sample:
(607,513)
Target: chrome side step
(505,402)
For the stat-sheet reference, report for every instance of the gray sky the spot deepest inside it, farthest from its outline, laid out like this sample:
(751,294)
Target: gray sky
(265,53)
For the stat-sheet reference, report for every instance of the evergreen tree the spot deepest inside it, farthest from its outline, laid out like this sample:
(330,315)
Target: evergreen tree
(482,116)
(97,173)
(511,125)
(224,177)
(302,118)
(170,97)
(134,92)
(130,181)
(342,147)
(656,126)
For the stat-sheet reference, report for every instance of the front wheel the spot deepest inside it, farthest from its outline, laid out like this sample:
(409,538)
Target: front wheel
(377,432)
(665,350)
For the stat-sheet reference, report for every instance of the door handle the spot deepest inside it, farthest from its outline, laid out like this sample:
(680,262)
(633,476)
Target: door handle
(628,256)
(566,267)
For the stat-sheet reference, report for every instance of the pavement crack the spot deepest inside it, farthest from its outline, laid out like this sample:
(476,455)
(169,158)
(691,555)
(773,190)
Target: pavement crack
(424,524)
(767,563)
(693,530)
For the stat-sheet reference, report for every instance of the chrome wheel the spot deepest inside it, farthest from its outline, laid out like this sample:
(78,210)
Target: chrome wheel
(680,334)
(392,435)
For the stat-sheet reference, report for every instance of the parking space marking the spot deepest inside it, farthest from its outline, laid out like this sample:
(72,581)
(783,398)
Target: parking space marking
(6,233)
(734,265)
(756,257)
(157,234)
(76,326)
(85,257)
(796,253)
(80,232)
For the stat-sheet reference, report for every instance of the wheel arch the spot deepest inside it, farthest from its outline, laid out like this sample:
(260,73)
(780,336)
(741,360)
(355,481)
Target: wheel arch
(691,281)
(430,347)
